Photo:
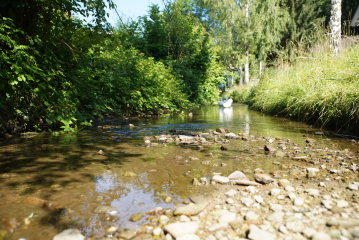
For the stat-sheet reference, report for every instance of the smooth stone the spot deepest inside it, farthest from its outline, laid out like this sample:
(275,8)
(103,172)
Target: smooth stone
(342,203)
(181,229)
(247,201)
(157,232)
(229,201)
(276,217)
(334,233)
(328,204)
(263,178)
(231,193)
(283,229)
(190,210)
(130,174)
(289,189)
(321,184)
(189,237)
(258,198)
(69,234)
(295,226)
(135,217)
(275,192)
(104,209)
(258,234)
(227,217)
(235,225)
(252,216)
(220,179)
(251,189)
(246,183)
(299,201)
(276,207)
(164,219)
(292,196)
(321,236)
(237,175)
(309,232)
(346,223)
(312,192)
(127,234)
(184,218)
(353,187)
(284,183)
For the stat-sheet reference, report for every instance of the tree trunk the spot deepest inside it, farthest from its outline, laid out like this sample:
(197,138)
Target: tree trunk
(335,26)
(246,65)
(260,65)
(240,72)
(232,80)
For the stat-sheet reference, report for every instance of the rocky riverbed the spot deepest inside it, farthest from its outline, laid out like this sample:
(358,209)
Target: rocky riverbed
(316,199)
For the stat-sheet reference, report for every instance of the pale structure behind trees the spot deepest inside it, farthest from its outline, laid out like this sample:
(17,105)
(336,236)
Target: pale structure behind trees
(335,26)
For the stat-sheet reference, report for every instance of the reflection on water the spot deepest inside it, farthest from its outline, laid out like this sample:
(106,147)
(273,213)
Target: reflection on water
(88,179)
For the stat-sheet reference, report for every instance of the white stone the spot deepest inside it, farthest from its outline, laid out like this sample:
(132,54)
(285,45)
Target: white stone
(258,198)
(258,234)
(284,183)
(336,196)
(312,192)
(342,203)
(231,193)
(280,197)
(251,189)
(69,234)
(321,184)
(292,196)
(321,236)
(229,201)
(220,179)
(315,170)
(326,197)
(227,217)
(290,189)
(295,226)
(189,237)
(180,229)
(276,217)
(237,175)
(353,187)
(157,232)
(309,232)
(276,207)
(163,219)
(283,229)
(328,204)
(247,201)
(168,236)
(275,192)
(184,218)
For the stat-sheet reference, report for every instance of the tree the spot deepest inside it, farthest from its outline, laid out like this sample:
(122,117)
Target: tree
(335,26)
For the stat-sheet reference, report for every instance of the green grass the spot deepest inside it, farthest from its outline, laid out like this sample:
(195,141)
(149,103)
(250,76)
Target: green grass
(316,88)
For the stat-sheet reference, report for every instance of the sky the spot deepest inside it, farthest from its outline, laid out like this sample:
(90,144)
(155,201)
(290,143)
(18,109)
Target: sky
(130,8)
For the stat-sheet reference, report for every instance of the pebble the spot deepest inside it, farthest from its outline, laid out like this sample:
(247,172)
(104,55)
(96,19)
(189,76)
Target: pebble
(321,236)
(299,201)
(231,193)
(247,201)
(353,187)
(309,232)
(284,183)
(275,192)
(188,237)
(184,218)
(190,210)
(229,201)
(283,229)
(164,219)
(258,198)
(276,217)
(258,234)
(69,234)
(295,226)
(342,203)
(181,229)
(104,209)
(157,232)
(126,234)
(252,216)
(276,207)
(289,189)
(237,175)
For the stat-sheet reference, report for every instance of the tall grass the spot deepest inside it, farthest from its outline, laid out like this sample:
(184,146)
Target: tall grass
(317,88)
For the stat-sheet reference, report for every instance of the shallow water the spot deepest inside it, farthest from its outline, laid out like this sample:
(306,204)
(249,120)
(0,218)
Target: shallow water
(68,172)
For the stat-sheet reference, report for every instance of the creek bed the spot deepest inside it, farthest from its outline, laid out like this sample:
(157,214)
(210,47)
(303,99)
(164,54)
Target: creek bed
(52,183)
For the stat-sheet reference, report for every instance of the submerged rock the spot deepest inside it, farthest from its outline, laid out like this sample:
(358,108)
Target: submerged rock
(135,217)
(130,174)
(104,209)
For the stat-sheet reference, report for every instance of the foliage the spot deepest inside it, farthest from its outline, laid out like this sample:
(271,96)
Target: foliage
(317,88)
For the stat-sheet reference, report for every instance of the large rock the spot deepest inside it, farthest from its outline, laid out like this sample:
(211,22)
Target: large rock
(193,209)
(237,175)
(69,234)
(263,178)
(181,229)
(258,234)
(220,179)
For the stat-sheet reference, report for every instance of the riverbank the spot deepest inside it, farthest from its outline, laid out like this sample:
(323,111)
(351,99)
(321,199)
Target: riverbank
(317,89)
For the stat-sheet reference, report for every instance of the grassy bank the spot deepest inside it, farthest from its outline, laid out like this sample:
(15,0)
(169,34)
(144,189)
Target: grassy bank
(317,88)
